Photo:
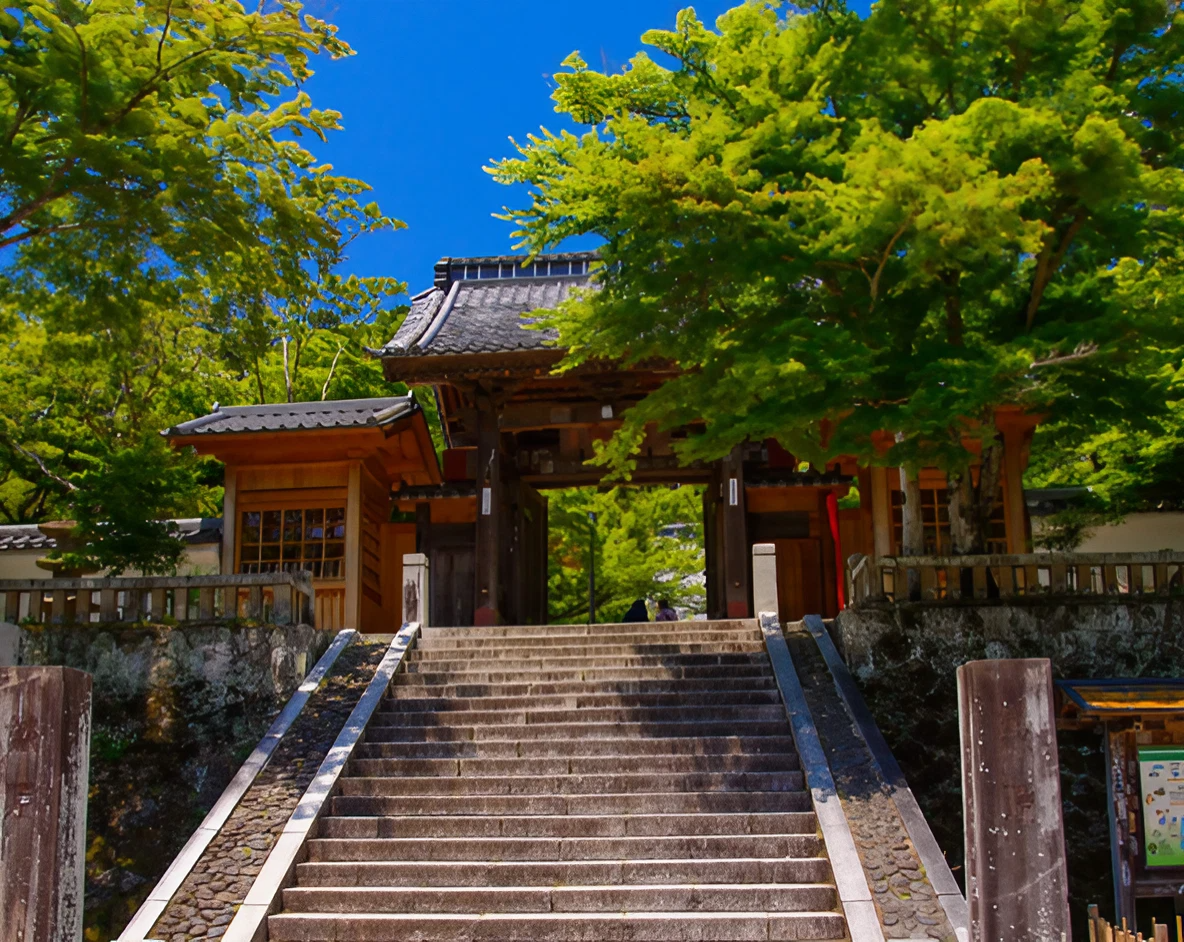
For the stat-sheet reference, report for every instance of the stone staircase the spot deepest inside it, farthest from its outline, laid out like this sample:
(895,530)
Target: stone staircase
(602,783)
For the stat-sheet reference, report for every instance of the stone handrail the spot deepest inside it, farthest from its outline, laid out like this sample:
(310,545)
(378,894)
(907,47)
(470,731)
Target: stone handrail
(952,578)
(279,597)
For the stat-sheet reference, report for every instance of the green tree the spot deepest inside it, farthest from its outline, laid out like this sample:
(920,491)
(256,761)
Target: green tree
(838,226)
(169,242)
(649,545)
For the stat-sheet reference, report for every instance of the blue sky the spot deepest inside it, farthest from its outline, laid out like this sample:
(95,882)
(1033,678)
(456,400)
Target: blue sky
(436,90)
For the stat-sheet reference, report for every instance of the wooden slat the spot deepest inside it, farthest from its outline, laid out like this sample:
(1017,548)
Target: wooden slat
(1006,578)
(928,583)
(980,582)
(1031,580)
(12,607)
(1110,579)
(205,604)
(254,602)
(108,605)
(1058,574)
(57,610)
(156,598)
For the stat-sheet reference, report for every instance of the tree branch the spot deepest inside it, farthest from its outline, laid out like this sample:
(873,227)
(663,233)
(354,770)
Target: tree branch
(332,367)
(1048,264)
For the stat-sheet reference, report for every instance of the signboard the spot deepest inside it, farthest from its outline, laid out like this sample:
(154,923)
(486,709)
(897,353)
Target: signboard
(1161,775)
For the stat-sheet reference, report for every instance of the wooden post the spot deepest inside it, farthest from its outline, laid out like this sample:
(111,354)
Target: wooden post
(44,766)
(229,519)
(735,535)
(281,604)
(1014,512)
(881,498)
(487,584)
(353,549)
(1016,878)
(417,601)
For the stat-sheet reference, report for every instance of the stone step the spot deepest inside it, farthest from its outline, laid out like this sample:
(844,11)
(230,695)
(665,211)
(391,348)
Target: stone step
(576,765)
(580,701)
(562,927)
(625,783)
(594,674)
(585,644)
(680,898)
(610,804)
(605,630)
(530,748)
(545,662)
(412,688)
(377,732)
(636,825)
(564,873)
(744,713)
(649,847)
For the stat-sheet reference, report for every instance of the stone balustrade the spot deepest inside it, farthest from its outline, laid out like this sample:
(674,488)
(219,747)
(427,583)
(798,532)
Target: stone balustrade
(954,578)
(280,598)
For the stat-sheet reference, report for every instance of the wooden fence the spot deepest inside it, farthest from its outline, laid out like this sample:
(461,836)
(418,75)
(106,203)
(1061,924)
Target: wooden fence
(278,597)
(1101,931)
(929,578)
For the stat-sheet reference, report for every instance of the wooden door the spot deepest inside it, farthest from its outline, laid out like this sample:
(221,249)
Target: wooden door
(451,585)
(799,577)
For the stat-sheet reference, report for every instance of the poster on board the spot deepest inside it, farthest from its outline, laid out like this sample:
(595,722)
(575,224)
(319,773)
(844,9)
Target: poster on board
(1161,775)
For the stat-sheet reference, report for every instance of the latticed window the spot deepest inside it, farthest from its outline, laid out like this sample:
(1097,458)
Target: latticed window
(935,522)
(312,539)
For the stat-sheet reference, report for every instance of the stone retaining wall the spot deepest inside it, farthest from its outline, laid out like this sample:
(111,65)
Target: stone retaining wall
(905,657)
(176,711)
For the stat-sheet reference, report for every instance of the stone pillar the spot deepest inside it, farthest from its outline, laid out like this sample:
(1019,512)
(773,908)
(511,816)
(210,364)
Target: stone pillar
(417,600)
(1016,877)
(735,535)
(487,583)
(44,767)
(764,580)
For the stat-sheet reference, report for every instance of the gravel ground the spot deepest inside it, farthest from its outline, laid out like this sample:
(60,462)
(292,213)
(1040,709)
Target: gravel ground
(206,902)
(908,906)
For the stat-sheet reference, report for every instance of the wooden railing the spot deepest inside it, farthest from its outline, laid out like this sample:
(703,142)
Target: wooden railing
(1101,931)
(278,597)
(929,578)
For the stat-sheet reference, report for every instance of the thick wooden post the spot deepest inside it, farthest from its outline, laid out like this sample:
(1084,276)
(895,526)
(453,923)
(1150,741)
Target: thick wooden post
(881,500)
(353,549)
(1016,878)
(229,518)
(735,536)
(487,584)
(44,766)
(1015,514)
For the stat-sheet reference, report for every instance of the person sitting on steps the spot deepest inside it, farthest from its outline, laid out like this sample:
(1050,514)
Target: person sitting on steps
(665,612)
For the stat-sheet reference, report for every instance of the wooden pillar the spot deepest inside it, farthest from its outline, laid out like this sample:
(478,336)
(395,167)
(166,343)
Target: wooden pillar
(881,498)
(1016,877)
(44,766)
(229,519)
(487,580)
(353,549)
(1014,511)
(1117,779)
(735,535)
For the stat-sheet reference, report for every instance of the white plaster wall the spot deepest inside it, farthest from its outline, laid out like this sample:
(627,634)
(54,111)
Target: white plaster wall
(201,559)
(1137,533)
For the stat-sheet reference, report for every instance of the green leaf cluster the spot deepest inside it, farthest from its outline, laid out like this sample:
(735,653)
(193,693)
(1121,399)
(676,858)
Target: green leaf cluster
(168,242)
(839,226)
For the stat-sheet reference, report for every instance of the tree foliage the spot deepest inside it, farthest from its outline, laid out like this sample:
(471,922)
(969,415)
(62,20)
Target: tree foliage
(839,226)
(648,545)
(168,242)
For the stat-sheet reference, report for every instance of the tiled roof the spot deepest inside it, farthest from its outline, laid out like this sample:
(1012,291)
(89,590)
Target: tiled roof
(26,536)
(481,316)
(295,416)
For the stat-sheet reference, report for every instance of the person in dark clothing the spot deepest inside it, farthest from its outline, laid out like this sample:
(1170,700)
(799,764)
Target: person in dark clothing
(665,611)
(637,612)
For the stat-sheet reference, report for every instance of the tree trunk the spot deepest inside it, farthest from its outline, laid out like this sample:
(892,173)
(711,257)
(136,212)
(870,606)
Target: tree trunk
(912,538)
(972,501)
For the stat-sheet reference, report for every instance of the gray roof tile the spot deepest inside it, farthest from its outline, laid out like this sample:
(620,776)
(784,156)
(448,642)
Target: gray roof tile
(485,317)
(294,416)
(26,536)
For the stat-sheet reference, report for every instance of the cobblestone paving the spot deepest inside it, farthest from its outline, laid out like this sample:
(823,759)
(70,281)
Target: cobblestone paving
(908,906)
(206,902)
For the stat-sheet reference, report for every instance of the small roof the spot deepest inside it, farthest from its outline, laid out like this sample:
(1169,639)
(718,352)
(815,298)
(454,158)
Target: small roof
(482,305)
(299,416)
